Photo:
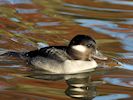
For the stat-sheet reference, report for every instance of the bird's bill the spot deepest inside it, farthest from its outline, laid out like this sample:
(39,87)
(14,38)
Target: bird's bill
(98,55)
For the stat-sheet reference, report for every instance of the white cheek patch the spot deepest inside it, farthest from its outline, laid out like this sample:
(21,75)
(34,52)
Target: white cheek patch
(80,48)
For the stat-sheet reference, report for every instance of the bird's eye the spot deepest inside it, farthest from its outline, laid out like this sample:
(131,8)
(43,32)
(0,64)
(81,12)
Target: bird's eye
(89,45)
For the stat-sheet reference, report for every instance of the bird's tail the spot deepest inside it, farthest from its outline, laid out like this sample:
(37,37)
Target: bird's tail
(12,54)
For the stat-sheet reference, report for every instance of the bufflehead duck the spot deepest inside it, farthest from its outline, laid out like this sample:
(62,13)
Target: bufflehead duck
(74,58)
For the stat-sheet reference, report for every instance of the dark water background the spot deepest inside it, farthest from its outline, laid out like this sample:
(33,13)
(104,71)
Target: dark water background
(27,24)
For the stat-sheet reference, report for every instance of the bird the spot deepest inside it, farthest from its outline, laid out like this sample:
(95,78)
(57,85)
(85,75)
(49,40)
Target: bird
(78,56)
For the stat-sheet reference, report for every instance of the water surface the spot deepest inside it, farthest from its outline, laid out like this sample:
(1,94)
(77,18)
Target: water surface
(30,24)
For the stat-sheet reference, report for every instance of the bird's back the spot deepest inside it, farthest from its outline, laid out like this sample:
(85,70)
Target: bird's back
(53,52)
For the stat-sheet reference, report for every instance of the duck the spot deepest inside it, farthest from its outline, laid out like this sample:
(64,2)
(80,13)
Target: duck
(78,56)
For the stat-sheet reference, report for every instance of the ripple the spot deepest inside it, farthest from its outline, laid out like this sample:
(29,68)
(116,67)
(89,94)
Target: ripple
(42,45)
(105,27)
(4,2)
(70,14)
(6,77)
(26,11)
(95,8)
(128,21)
(3,42)
(126,55)
(20,1)
(112,97)
(119,81)
(4,86)
(121,2)
(15,19)
(20,31)
(11,66)
(47,24)
(128,44)
(126,66)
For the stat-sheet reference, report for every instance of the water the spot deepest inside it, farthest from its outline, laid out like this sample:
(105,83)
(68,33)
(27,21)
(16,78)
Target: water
(30,24)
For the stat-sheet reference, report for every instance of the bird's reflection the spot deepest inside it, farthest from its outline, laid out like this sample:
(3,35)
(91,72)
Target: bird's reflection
(81,88)
(80,85)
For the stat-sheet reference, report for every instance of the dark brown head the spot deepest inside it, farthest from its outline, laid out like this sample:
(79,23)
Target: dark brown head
(83,47)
